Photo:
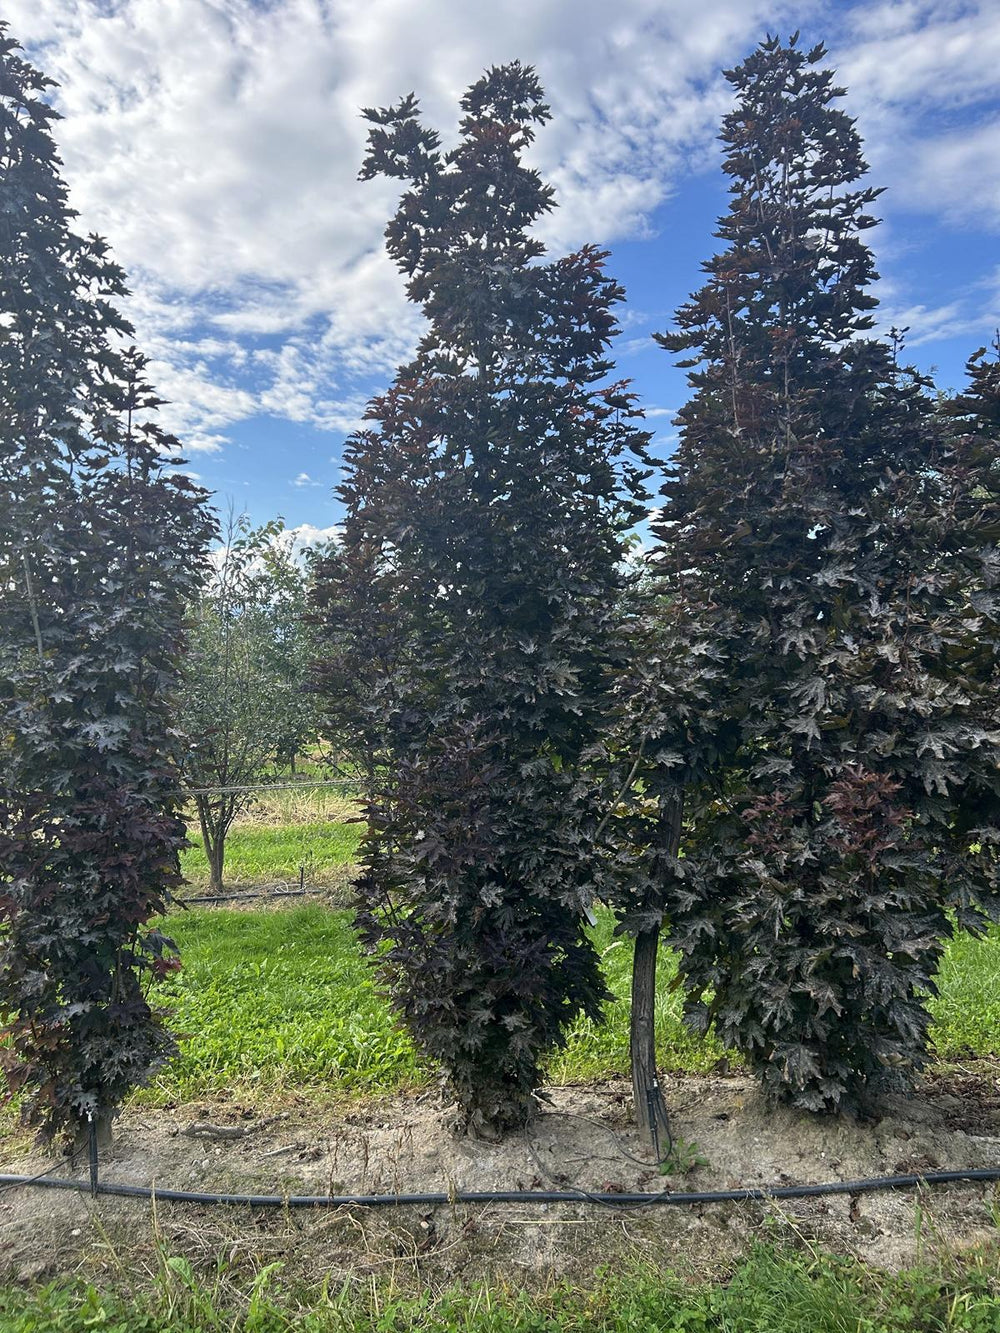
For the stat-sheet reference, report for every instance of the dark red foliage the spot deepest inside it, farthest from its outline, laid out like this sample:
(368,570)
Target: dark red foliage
(473,606)
(101,543)
(833,537)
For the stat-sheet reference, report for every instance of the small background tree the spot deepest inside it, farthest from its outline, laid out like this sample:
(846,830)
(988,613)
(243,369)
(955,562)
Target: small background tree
(838,549)
(246,704)
(101,543)
(474,612)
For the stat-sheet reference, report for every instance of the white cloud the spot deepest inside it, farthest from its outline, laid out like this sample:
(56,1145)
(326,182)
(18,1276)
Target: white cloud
(304,479)
(922,76)
(921,324)
(972,313)
(296,541)
(956,175)
(934,54)
(216,143)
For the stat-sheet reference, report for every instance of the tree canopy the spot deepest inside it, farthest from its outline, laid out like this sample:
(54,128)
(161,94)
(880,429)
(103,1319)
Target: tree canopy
(836,544)
(474,608)
(101,541)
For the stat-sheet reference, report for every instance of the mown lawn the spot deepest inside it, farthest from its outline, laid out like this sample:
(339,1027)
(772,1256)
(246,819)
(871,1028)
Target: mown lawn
(771,1291)
(279,1000)
(266,854)
(309,825)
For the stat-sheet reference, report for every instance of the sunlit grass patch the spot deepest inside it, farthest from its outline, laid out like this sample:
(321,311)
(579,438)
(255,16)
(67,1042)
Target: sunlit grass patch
(966,1011)
(301,804)
(258,853)
(272,1001)
(286,1000)
(602,1050)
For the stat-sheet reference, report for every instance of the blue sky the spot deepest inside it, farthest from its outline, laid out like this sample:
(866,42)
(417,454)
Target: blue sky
(216,144)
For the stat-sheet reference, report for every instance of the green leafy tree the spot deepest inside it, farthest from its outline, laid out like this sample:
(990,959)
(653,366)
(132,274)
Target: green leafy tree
(246,703)
(284,576)
(474,608)
(101,542)
(841,772)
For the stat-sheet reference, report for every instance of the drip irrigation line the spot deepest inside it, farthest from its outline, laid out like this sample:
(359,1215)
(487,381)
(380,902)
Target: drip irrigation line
(751,1194)
(305,785)
(246,897)
(26,1180)
(599,1197)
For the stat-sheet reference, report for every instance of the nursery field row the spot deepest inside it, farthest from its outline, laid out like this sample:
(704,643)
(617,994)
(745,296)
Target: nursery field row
(312,830)
(284,999)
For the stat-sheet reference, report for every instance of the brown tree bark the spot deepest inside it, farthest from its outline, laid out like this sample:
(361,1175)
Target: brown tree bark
(215,819)
(650,1109)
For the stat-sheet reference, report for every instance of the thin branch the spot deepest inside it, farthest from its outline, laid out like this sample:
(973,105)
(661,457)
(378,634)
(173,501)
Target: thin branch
(33,605)
(627,785)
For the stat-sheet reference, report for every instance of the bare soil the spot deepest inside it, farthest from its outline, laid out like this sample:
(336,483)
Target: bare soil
(581,1139)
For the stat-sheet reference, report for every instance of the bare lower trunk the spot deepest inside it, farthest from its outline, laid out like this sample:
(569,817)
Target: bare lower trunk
(214,827)
(216,860)
(642,1039)
(650,1108)
(81,1147)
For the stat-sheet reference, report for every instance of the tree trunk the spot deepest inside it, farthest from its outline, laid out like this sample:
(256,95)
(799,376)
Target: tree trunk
(80,1148)
(214,827)
(645,1090)
(650,1108)
(216,860)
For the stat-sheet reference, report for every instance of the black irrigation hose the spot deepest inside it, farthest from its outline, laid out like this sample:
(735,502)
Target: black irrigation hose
(21,1181)
(245,897)
(753,1194)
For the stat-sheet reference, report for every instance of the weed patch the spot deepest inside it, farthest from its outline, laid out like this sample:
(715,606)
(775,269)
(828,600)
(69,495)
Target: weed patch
(771,1291)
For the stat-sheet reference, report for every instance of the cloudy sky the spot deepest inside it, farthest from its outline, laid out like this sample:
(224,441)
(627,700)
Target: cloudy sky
(216,144)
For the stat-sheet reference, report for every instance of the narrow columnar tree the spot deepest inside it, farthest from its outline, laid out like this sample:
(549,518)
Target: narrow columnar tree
(100,542)
(474,604)
(822,528)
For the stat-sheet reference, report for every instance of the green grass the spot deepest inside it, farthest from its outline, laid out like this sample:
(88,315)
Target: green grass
(267,854)
(275,1001)
(967,1010)
(314,827)
(283,1000)
(771,1291)
(322,981)
(599,1050)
